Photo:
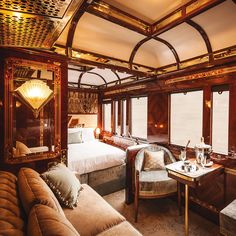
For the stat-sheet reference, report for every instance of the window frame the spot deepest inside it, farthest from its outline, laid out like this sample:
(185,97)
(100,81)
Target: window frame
(169,111)
(130,117)
(103,115)
(220,88)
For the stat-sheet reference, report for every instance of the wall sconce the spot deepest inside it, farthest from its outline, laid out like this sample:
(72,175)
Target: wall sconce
(208,104)
(160,126)
(35,94)
(97,132)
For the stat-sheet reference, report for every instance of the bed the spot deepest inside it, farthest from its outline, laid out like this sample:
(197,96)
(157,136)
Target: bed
(100,165)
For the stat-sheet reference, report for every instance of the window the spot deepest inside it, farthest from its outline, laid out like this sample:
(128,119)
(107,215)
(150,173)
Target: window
(107,117)
(124,128)
(220,122)
(116,118)
(139,117)
(186,118)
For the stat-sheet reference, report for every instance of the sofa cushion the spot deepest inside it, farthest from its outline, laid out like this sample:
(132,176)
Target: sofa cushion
(124,228)
(33,190)
(11,232)
(11,212)
(93,214)
(228,219)
(45,221)
(64,184)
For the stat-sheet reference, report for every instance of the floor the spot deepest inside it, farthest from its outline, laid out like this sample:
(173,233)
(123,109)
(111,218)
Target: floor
(160,217)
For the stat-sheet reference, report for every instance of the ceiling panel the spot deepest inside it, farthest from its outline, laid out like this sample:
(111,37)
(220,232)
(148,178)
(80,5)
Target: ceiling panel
(154,54)
(107,74)
(147,10)
(186,40)
(219,24)
(34,23)
(101,36)
(73,76)
(92,79)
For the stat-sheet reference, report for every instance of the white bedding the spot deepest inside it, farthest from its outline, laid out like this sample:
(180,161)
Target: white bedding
(93,155)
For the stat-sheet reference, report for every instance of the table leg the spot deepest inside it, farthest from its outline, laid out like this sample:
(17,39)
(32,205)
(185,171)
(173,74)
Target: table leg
(186,210)
(179,197)
(225,188)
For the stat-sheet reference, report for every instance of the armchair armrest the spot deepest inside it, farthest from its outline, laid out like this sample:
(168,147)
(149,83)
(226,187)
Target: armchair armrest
(131,153)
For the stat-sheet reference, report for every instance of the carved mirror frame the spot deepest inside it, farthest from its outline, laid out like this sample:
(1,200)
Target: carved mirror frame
(10,65)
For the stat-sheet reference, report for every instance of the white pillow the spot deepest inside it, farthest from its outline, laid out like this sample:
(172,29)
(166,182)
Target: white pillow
(73,130)
(88,134)
(22,149)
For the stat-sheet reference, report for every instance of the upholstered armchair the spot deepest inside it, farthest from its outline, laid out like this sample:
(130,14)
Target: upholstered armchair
(153,183)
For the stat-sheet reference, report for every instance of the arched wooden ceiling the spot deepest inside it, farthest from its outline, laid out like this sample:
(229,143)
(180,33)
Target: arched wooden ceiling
(145,38)
(183,34)
(95,77)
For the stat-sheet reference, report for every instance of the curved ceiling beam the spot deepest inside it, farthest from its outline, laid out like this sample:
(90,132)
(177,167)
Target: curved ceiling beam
(118,77)
(140,43)
(93,73)
(203,33)
(70,37)
(135,49)
(171,48)
(79,79)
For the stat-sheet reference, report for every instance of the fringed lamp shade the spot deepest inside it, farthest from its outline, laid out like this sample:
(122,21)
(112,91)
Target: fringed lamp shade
(35,94)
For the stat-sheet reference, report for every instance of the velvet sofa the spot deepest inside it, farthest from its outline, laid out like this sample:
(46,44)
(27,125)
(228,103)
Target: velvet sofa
(29,207)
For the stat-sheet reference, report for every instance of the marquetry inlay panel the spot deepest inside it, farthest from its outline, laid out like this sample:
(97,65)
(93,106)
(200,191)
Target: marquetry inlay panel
(55,8)
(24,31)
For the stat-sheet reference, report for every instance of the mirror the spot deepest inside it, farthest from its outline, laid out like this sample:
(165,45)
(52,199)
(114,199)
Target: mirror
(32,111)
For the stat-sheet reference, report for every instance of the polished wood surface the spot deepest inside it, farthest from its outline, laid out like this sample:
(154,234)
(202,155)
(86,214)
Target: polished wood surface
(39,57)
(158,117)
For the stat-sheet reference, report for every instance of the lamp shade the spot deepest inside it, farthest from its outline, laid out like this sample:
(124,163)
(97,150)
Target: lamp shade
(98,131)
(35,94)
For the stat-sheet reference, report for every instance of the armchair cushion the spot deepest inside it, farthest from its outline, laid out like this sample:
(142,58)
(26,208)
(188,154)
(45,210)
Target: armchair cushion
(156,183)
(153,160)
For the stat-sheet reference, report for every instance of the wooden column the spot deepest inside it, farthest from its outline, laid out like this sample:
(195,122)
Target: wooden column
(206,132)
(158,117)
(232,116)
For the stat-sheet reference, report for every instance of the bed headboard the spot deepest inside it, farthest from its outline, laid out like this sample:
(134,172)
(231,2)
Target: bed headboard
(83,120)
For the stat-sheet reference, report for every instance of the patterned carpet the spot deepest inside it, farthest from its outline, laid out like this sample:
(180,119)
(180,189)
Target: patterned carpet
(160,217)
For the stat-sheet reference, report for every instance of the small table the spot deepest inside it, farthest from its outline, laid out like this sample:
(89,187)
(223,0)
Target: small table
(191,179)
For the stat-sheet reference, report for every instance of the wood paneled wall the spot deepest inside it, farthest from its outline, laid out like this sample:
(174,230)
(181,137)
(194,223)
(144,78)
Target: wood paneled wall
(40,57)
(158,117)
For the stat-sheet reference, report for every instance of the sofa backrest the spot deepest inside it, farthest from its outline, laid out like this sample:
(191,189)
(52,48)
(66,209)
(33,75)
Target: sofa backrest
(33,190)
(12,217)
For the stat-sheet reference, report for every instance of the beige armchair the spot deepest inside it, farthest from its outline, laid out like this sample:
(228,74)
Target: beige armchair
(152,183)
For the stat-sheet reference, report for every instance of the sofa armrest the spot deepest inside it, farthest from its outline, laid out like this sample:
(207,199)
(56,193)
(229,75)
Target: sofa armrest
(131,153)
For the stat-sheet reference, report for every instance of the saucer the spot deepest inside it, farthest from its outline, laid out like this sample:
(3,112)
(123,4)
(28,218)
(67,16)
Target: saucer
(209,164)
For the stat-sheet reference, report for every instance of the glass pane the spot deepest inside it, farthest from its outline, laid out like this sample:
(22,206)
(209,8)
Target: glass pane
(139,117)
(220,122)
(186,118)
(107,116)
(124,118)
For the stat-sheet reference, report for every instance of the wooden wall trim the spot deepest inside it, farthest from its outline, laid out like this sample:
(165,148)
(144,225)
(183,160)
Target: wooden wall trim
(184,16)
